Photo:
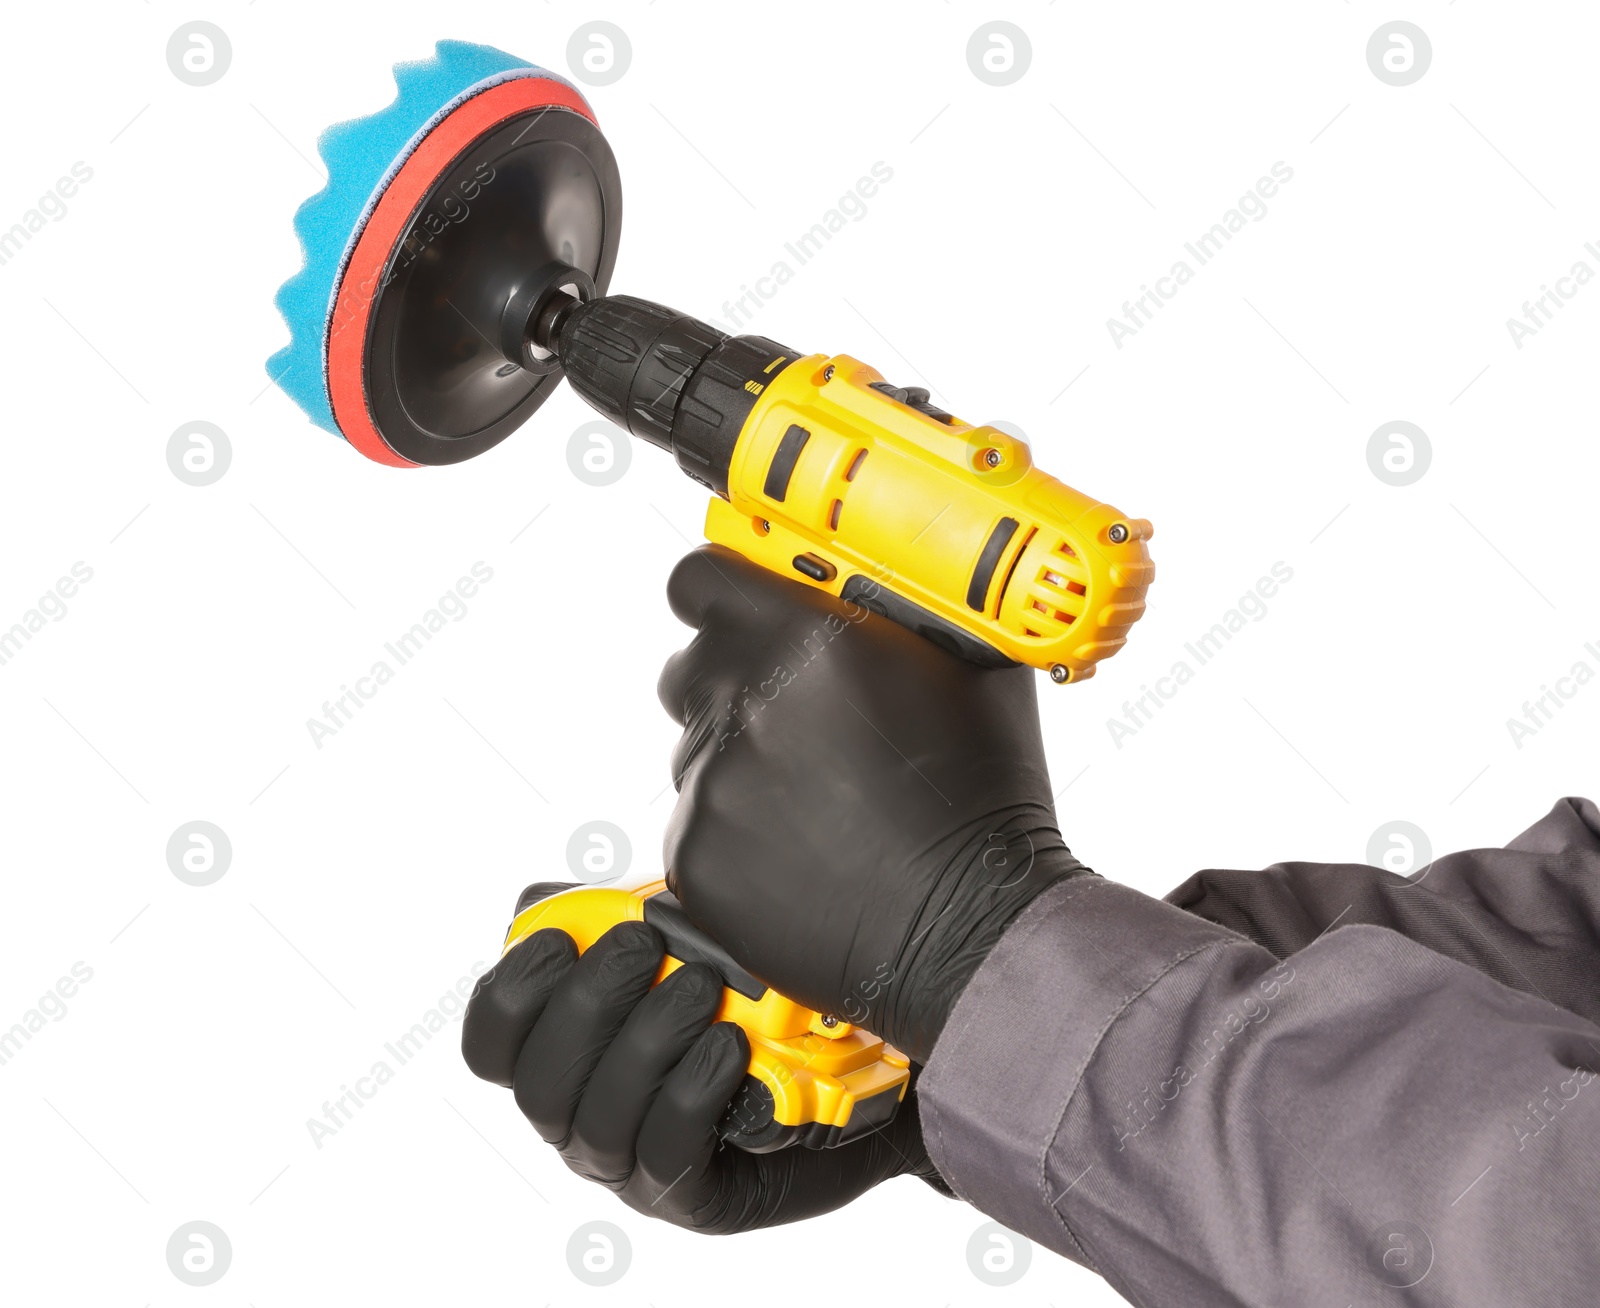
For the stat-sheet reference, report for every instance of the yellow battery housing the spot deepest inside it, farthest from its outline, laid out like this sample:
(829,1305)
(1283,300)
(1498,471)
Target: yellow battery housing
(837,483)
(813,1080)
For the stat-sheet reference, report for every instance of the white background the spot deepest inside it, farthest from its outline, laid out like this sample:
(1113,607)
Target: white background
(369,875)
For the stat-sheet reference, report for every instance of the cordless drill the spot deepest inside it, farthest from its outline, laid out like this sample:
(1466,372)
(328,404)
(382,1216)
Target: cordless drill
(456,267)
(825,472)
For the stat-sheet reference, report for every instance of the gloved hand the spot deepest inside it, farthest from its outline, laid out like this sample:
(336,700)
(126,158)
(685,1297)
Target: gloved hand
(629,1083)
(861,814)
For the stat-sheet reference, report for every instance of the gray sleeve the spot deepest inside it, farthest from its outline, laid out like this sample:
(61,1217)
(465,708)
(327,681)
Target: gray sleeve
(1202,1123)
(1528,914)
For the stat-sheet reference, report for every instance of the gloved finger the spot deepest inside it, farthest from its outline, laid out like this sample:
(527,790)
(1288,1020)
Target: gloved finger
(654,1039)
(703,579)
(581,1018)
(685,687)
(714,583)
(708,576)
(690,849)
(676,1169)
(707,728)
(508,999)
(742,611)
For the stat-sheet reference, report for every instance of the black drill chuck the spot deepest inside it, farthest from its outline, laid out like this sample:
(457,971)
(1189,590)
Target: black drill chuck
(661,375)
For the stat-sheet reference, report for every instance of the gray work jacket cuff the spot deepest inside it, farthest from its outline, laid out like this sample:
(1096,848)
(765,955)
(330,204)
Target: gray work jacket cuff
(1017,1044)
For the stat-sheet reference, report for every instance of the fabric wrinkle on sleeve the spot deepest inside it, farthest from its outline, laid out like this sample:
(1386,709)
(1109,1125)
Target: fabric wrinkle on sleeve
(1203,1124)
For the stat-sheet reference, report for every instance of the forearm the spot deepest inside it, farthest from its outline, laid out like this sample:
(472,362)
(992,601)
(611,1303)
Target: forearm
(1164,1101)
(1527,915)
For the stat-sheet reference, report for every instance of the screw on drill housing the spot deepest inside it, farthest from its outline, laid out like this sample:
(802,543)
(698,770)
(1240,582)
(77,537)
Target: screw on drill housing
(827,373)
(992,458)
(1118,533)
(1060,673)
(830,1021)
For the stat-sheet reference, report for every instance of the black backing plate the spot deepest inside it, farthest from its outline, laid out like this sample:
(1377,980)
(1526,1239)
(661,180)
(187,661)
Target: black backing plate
(539,187)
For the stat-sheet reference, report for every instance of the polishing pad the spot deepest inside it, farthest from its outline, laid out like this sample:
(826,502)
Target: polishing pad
(483,171)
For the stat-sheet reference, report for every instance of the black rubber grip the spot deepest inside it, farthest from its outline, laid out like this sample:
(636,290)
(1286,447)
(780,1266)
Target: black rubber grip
(878,598)
(783,460)
(988,561)
(685,941)
(688,944)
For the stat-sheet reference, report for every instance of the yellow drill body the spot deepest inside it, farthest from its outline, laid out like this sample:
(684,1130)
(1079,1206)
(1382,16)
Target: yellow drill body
(819,1081)
(880,496)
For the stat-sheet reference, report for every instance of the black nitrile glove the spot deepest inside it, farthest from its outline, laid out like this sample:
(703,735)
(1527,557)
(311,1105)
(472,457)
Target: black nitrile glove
(629,1083)
(861,813)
